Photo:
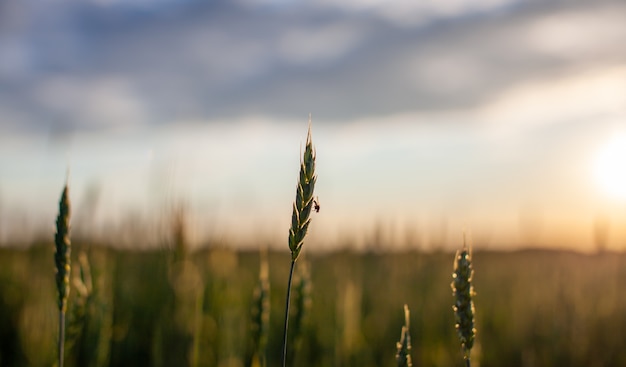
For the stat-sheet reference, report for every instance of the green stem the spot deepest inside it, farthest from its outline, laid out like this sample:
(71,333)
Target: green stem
(467,362)
(61,342)
(293,265)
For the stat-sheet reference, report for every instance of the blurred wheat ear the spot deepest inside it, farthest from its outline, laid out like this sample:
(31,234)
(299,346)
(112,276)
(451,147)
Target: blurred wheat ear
(62,264)
(300,219)
(403,355)
(463,305)
(261,313)
(83,284)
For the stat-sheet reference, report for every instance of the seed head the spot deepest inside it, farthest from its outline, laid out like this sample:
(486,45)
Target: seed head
(300,218)
(261,311)
(83,284)
(403,356)
(63,250)
(463,305)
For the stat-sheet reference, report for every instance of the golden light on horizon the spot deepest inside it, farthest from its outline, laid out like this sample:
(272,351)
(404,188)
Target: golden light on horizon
(610,167)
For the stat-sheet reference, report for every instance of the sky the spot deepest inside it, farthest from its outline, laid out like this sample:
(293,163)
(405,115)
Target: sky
(504,119)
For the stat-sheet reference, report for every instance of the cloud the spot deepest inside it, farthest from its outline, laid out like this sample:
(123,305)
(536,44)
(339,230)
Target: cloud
(592,96)
(318,45)
(87,65)
(573,33)
(411,13)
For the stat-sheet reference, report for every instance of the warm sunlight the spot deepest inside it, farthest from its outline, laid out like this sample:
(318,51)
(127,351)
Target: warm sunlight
(610,167)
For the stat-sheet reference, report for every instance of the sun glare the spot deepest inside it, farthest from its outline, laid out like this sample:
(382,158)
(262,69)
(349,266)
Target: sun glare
(610,167)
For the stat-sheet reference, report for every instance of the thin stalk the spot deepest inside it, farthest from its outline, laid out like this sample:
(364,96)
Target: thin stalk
(196,331)
(467,362)
(293,265)
(61,342)
(301,302)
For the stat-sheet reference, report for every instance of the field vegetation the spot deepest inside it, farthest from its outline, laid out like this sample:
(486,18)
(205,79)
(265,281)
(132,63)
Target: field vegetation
(171,307)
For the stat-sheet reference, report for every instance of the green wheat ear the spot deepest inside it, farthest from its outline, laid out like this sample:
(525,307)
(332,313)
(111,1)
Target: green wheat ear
(62,263)
(303,204)
(63,250)
(403,355)
(464,306)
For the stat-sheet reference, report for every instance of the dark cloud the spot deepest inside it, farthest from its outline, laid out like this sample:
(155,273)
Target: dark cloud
(99,64)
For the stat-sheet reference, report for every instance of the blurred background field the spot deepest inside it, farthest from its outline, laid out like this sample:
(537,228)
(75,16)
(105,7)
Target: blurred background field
(172,308)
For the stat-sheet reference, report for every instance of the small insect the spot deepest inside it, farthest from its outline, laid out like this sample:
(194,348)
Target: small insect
(316,204)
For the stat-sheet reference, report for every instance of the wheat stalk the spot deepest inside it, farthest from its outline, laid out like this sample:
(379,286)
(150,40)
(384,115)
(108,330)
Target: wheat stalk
(302,306)
(300,219)
(403,355)
(464,306)
(62,262)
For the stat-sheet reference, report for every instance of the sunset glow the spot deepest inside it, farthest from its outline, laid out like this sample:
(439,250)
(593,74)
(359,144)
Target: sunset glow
(428,117)
(610,168)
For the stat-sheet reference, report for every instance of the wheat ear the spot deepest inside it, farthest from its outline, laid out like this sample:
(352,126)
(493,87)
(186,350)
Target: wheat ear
(62,262)
(261,313)
(83,284)
(464,306)
(300,219)
(403,355)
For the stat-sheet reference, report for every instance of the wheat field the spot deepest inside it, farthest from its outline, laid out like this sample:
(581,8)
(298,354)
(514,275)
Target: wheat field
(160,308)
